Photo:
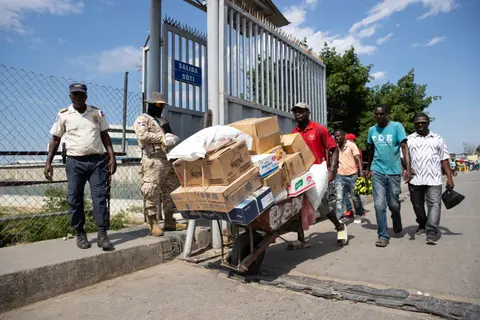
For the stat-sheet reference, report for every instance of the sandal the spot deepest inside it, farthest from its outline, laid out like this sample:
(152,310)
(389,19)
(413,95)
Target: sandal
(382,242)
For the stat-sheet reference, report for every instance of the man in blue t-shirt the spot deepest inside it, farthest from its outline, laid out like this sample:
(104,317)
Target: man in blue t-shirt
(384,166)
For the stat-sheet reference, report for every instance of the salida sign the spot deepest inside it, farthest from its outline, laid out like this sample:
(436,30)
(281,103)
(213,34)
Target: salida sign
(187,73)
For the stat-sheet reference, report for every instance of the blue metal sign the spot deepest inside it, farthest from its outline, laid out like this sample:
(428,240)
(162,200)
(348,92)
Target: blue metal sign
(187,73)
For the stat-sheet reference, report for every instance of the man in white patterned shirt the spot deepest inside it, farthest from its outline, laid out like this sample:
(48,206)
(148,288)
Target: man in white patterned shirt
(429,155)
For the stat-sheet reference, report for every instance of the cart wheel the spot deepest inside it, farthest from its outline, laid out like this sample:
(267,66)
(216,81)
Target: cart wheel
(241,249)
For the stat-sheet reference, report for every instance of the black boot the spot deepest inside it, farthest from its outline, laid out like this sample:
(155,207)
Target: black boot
(103,241)
(82,240)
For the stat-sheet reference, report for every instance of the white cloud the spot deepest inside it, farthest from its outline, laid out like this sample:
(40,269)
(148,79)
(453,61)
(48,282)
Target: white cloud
(379,75)
(119,59)
(434,41)
(383,40)
(13,12)
(386,8)
(316,39)
(367,32)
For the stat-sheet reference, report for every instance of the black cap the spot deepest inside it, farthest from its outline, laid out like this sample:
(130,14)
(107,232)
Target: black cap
(78,87)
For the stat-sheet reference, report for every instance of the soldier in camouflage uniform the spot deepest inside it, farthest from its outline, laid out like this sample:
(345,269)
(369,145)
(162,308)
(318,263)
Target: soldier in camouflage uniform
(158,179)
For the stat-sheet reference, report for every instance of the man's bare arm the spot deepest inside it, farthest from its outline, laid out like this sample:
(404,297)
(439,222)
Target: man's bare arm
(52,150)
(371,152)
(358,160)
(406,156)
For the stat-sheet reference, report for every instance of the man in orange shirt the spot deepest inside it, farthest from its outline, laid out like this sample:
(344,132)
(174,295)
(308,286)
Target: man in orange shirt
(350,165)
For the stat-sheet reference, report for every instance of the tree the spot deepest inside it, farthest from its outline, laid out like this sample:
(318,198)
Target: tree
(347,93)
(405,99)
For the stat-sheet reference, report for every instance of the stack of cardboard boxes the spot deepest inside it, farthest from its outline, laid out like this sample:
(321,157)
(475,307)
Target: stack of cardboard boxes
(240,182)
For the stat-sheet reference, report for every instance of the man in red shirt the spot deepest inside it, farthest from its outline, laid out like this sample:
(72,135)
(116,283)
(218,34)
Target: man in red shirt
(321,143)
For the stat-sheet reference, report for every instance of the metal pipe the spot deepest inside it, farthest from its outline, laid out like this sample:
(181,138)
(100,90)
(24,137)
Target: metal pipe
(272,69)
(155,42)
(124,120)
(174,82)
(244,56)
(262,68)
(187,249)
(283,105)
(237,58)
(165,59)
(144,76)
(180,58)
(268,53)
(295,78)
(189,61)
(290,78)
(230,56)
(277,72)
(194,88)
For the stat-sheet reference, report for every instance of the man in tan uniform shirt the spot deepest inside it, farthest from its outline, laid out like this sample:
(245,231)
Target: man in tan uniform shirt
(159,178)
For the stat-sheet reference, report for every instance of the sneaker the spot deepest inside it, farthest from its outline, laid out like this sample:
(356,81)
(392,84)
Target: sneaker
(348,214)
(431,239)
(382,243)
(420,232)
(359,218)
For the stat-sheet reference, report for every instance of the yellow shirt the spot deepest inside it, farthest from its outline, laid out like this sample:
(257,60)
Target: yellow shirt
(346,159)
(81,132)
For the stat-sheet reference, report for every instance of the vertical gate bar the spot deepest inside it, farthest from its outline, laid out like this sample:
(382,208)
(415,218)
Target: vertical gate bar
(180,58)
(200,89)
(304,78)
(272,72)
(324,97)
(309,83)
(250,59)
(230,56)
(222,60)
(244,56)
(262,68)
(187,86)
(194,53)
(277,72)
(314,96)
(317,95)
(290,77)
(174,100)
(282,86)
(255,50)
(237,58)
(300,77)
(205,57)
(267,56)
(294,84)
(165,59)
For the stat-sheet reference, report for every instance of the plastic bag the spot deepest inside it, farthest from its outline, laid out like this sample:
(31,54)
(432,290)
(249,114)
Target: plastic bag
(206,140)
(452,199)
(320,176)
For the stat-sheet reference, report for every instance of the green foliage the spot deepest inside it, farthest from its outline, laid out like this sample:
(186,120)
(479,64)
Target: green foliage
(405,99)
(44,227)
(347,93)
(478,150)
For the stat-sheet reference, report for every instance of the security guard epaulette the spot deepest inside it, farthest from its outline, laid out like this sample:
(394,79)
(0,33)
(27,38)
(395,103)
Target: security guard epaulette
(63,110)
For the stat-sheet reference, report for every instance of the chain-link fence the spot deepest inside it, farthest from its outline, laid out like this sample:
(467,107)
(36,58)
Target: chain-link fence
(31,208)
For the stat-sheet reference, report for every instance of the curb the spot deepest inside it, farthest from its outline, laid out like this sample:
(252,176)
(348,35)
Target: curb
(29,285)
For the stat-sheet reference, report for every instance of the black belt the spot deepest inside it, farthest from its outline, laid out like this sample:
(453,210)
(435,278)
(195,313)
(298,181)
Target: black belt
(89,157)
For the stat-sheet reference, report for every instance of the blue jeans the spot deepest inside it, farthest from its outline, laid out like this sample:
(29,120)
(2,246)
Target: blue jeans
(346,200)
(386,191)
(347,183)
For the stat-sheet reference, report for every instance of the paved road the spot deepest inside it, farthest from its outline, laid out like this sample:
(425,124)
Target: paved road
(449,269)
(179,291)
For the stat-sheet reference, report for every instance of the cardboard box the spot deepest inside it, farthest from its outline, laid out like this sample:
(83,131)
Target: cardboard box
(277,181)
(265,132)
(294,166)
(219,168)
(266,163)
(225,198)
(250,208)
(278,152)
(300,185)
(293,143)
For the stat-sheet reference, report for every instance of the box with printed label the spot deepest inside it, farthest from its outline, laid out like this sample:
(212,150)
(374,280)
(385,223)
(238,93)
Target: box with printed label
(294,166)
(266,163)
(300,185)
(225,198)
(293,143)
(277,181)
(265,132)
(221,167)
(250,208)
(278,152)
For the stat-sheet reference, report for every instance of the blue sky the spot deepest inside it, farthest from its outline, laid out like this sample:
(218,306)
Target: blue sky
(97,41)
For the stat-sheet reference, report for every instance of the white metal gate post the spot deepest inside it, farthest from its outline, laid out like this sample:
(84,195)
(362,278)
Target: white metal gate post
(213,84)
(155,43)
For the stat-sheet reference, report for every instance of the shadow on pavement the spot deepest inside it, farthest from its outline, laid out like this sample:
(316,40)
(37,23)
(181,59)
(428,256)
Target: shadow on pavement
(279,260)
(125,236)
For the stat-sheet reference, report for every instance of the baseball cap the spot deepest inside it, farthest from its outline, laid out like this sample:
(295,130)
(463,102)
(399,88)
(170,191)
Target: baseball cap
(78,87)
(300,105)
(350,136)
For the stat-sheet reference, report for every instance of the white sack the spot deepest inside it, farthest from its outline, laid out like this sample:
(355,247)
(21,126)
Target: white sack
(206,140)
(320,176)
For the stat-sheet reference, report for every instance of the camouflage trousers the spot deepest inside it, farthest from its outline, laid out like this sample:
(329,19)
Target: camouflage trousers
(158,181)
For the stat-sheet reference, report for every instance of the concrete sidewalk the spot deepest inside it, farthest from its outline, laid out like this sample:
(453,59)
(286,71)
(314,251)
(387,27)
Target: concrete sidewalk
(448,270)
(41,270)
